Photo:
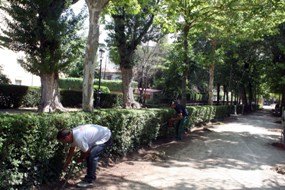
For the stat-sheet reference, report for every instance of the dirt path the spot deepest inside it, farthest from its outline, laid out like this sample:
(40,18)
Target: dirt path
(234,155)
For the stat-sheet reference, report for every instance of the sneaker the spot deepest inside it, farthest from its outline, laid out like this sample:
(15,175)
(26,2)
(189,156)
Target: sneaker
(84,184)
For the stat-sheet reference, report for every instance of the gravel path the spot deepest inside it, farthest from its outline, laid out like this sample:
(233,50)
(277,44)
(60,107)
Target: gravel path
(236,154)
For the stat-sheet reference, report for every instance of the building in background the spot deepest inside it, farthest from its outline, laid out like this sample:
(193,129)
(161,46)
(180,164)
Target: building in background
(13,70)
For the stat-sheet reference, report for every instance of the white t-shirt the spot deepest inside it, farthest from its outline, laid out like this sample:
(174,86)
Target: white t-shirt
(88,135)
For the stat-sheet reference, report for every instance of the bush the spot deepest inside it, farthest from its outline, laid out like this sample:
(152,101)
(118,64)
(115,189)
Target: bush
(32,98)
(72,98)
(76,84)
(11,96)
(70,83)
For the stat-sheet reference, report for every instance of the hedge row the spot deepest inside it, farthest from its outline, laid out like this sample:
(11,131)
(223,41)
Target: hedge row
(31,156)
(14,96)
(76,84)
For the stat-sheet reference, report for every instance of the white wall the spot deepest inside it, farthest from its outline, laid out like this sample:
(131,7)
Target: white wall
(13,70)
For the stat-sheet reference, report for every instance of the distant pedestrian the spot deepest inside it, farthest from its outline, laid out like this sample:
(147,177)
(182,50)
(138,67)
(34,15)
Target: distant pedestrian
(180,118)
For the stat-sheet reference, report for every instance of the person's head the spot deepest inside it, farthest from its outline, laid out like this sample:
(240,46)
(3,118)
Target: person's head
(65,135)
(173,104)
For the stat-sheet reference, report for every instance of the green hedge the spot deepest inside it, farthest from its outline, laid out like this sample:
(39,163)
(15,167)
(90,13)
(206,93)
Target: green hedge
(72,98)
(30,154)
(11,96)
(76,84)
(32,98)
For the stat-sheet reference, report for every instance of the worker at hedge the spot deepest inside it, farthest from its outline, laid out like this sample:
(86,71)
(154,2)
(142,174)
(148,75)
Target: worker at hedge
(91,140)
(180,118)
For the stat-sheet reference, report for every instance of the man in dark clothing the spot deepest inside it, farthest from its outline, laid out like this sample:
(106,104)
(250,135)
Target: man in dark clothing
(181,118)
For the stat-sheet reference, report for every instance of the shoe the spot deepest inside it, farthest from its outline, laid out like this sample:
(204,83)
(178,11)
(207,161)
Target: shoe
(84,184)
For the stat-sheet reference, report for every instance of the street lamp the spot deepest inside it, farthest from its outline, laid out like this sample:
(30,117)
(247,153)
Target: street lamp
(101,52)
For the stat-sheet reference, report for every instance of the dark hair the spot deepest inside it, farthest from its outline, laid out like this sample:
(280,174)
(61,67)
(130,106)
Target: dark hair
(62,134)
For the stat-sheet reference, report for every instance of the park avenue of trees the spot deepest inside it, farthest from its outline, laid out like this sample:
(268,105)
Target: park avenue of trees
(237,45)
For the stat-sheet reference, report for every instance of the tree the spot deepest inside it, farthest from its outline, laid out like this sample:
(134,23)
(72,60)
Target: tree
(45,30)
(75,68)
(147,59)
(95,8)
(3,78)
(129,29)
(224,19)
(276,79)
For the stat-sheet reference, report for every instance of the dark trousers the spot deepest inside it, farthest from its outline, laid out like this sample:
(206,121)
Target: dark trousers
(93,158)
(180,127)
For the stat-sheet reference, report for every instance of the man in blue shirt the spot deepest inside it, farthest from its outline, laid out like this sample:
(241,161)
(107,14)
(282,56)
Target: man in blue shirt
(181,119)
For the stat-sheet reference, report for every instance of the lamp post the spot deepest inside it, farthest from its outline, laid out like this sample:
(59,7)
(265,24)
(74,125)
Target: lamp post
(101,52)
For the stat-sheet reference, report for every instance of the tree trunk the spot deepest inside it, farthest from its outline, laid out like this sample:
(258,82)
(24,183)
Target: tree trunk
(250,94)
(243,96)
(95,8)
(211,74)
(186,62)
(211,84)
(50,97)
(283,96)
(218,94)
(128,96)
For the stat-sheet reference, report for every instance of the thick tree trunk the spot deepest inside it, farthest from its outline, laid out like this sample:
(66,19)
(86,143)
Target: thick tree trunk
(50,98)
(128,96)
(95,8)
(211,84)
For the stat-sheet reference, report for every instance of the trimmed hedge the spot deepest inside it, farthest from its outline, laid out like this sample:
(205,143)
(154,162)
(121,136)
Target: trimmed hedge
(32,98)
(30,154)
(11,96)
(72,98)
(76,84)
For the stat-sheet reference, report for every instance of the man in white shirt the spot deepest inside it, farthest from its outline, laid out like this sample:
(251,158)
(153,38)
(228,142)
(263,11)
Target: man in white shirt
(91,140)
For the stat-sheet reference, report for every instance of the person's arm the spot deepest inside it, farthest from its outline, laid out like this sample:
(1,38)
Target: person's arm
(83,156)
(178,117)
(69,157)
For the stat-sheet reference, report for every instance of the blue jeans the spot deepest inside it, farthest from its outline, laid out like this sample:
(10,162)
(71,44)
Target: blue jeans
(92,160)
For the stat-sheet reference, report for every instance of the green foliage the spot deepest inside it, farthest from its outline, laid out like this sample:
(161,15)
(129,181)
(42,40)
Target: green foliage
(46,31)
(73,98)
(32,98)
(130,28)
(76,84)
(3,78)
(12,95)
(70,83)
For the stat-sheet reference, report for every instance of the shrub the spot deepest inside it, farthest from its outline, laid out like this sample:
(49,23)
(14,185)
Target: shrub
(72,98)
(11,96)
(76,84)
(32,98)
